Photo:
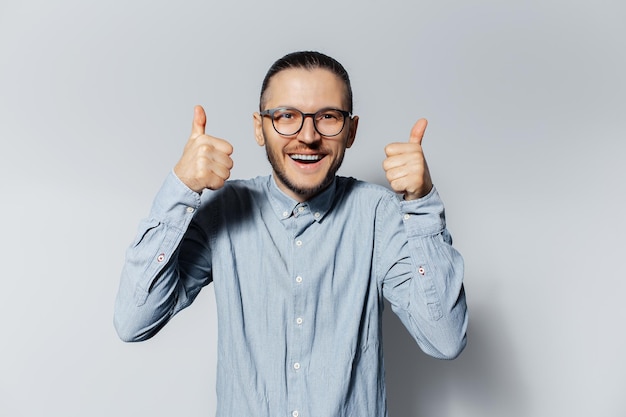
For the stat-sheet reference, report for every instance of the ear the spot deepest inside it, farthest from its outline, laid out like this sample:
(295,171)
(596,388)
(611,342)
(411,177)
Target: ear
(258,128)
(354,123)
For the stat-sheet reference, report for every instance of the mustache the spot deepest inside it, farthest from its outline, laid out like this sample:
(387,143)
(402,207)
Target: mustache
(305,148)
(299,147)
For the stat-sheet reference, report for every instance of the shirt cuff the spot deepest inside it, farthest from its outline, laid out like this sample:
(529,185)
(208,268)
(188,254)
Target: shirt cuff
(424,216)
(174,202)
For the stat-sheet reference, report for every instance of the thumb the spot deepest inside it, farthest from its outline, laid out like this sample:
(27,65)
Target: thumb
(199,121)
(417,132)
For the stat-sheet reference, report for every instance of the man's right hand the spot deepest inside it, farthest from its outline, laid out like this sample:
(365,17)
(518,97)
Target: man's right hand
(206,161)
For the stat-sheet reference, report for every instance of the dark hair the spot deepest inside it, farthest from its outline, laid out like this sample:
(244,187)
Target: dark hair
(308,60)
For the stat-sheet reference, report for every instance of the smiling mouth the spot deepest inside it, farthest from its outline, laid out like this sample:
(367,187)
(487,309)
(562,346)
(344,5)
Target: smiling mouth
(306,159)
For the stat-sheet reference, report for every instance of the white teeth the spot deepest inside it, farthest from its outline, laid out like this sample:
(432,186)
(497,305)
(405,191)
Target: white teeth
(306,157)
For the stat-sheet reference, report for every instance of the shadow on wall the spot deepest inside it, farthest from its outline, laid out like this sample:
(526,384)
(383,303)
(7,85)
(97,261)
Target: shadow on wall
(482,381)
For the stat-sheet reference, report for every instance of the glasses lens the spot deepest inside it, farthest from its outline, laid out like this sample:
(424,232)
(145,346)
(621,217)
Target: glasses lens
(287,121)
(329,122)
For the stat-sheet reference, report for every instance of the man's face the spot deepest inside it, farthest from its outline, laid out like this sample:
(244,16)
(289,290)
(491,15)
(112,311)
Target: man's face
(304,164)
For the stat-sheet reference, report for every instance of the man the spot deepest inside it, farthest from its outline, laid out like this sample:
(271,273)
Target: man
(300,260)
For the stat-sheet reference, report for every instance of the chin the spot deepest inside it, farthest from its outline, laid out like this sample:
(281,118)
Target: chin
(306,189)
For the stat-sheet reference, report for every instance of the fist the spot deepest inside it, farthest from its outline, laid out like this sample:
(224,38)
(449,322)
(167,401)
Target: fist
(405,165)
(206,161)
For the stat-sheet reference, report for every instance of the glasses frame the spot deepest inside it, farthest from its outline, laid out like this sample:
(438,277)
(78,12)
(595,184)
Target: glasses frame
(346,115)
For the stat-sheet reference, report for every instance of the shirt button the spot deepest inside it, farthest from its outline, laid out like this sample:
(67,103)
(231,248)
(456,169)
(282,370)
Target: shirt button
(407,216)
(295,413)
(285,214)
(298,279)
(300,209)
(296,366)
(421,270)
(161,257)
(317,214)
(190,209)
(299,320)
(298,243)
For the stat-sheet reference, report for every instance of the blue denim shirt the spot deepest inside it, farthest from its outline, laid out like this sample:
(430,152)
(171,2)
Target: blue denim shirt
(299,288)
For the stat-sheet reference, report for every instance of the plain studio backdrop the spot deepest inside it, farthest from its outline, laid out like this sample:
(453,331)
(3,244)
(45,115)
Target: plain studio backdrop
(526,109)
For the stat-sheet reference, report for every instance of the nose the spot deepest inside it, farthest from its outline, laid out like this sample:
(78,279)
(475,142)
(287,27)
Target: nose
(308,134)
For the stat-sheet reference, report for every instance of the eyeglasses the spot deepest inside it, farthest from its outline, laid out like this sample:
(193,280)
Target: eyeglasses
(288,121)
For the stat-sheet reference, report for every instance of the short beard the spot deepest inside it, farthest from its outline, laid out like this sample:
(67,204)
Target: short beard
(309,192)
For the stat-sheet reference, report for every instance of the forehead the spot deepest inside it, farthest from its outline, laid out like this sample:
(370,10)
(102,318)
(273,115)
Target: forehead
(306,89)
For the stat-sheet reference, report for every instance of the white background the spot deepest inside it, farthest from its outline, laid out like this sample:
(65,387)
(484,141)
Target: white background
(526,104)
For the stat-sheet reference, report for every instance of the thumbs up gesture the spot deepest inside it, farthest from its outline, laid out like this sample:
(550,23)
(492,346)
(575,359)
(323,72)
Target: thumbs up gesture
(405,165)
(206,161)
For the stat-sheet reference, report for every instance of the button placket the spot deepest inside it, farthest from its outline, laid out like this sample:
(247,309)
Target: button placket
(302,220)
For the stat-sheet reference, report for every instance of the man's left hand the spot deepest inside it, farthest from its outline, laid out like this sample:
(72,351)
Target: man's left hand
(405,165)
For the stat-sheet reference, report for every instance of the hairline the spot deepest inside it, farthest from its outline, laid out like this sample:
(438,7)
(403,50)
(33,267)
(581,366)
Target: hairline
(264,97)
(308,60)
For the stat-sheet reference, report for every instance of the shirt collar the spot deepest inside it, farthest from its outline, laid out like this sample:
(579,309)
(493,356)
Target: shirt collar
(285,206)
